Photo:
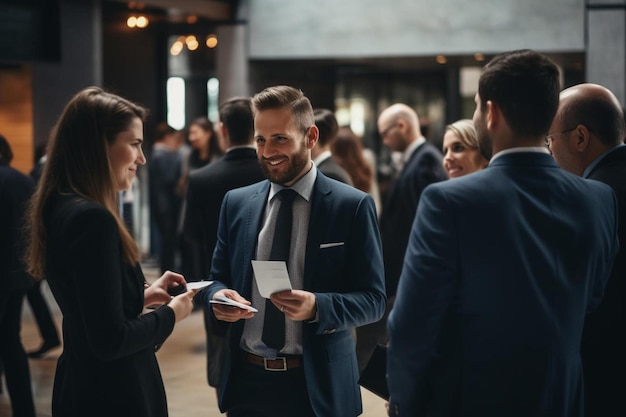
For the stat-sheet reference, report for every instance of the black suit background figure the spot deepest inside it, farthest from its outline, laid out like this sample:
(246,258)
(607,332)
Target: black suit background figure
(322,155)
(165,170)
(38,304)
(206,190)
(422,165)
(586,139)
(15,190)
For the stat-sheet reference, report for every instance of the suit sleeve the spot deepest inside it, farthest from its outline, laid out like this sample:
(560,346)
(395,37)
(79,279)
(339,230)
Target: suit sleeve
(364,301)
(600,280)
(425,293)
(96,274)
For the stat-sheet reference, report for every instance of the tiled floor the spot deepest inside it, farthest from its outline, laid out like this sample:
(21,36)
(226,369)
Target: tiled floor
(183,366)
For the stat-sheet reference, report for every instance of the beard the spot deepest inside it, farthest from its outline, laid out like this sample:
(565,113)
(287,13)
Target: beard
(297,162)
(485,144)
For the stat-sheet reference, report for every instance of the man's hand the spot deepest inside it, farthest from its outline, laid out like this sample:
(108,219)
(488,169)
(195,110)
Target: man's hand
(298,305)
(228,313)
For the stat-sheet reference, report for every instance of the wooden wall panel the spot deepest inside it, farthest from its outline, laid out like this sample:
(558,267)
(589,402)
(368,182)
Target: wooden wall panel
(16,115)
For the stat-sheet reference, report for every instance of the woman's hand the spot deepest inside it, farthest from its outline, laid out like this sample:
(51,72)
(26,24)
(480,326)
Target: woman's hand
(182,304)
(156,294)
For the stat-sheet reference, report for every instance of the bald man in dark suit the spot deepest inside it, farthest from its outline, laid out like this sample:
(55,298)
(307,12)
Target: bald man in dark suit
(586,140)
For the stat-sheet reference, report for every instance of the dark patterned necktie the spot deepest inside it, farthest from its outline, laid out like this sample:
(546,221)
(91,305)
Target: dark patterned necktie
(274,322)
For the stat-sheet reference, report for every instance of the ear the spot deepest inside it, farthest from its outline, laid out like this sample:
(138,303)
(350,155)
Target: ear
(311,136)
(583,136)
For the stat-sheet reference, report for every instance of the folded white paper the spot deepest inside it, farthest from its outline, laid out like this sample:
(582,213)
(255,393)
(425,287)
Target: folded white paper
(198,285)
(227,301)
(271,277)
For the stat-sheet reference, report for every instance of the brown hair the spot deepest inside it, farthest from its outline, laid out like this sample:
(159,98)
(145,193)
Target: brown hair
(283,96)
(348,152)
(78,162)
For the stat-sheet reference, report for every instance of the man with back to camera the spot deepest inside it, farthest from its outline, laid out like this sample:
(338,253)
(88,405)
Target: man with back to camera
(327,126)
(586,140)
(502,266)
(206,190)
(296,356)
(399,128)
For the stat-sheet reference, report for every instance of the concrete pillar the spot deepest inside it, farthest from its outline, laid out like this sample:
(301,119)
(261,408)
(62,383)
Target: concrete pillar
(606,45)
(232,61)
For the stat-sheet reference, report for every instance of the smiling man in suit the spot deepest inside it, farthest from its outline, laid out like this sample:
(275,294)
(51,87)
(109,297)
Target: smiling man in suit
(502,267)
(335,269)
(586,140)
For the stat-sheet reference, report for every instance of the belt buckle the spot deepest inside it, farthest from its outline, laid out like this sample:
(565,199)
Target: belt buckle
(284,363)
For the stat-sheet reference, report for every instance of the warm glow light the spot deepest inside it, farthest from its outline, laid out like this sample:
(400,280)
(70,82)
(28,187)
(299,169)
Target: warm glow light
(192,19)
(142,22)
(479,57)
(441,59)
(211,41)
(192,42)
(131,22)
(176,48)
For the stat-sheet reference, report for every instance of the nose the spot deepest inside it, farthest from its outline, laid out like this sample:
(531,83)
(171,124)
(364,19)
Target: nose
(448,155)
(141,158)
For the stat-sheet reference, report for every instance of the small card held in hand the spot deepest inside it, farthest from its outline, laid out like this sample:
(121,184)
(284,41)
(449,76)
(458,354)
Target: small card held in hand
(374,376)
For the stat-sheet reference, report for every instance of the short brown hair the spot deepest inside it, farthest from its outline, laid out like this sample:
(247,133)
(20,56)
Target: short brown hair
(284,96)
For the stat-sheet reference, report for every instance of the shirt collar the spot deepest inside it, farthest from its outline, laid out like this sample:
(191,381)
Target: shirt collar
(596,161)
(412,148)
(322,157)
(304,186)
(537,149)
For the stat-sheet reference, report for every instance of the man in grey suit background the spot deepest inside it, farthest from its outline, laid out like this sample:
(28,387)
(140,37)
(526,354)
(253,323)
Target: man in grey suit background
(206,190)
(502,266)
(334,265)
(328,127)
(586,140)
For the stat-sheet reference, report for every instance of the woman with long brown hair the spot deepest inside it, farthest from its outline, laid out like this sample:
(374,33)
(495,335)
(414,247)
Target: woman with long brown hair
(348,151)
(79,242)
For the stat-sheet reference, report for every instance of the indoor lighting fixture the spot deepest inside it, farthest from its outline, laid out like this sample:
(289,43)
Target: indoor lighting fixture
(211,41)
(137,21)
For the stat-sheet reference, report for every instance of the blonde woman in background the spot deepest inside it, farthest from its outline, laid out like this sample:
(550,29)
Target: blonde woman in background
(461,154)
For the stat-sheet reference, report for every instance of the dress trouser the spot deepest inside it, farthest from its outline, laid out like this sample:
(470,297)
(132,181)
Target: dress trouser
(42,314)
(256,392)
(17,373)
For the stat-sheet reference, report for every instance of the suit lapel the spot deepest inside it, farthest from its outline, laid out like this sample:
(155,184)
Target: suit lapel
(253,221)
(318,225)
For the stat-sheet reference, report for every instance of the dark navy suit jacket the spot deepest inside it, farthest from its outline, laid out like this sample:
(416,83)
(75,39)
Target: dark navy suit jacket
(348,282)
(604,337)
(423,168)
(502,267)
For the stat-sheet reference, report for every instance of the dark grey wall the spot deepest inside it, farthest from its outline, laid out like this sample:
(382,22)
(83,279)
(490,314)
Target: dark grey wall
(80,65)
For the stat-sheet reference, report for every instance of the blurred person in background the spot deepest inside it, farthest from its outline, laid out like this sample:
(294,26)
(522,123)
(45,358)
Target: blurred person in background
(348,151)
(322,154)
(420,165)
(461,153)
(15,191)
(165,198)
(36,300)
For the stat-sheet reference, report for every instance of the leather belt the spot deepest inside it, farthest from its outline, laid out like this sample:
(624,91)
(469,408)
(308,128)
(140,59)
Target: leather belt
(282,363)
